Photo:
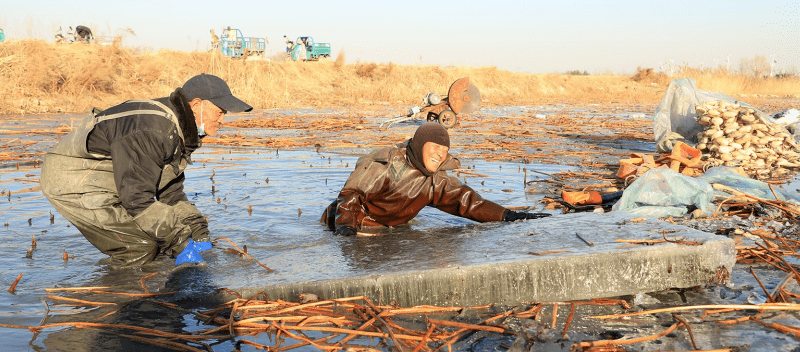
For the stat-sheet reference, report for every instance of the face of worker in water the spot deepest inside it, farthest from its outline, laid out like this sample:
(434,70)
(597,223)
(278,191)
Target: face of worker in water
(433,155)
(207,115)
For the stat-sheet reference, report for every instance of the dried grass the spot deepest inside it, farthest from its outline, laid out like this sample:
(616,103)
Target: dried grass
(40,77)
(734,83)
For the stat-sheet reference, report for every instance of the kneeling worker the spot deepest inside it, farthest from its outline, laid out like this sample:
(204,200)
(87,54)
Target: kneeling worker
(391,185)
(118,177)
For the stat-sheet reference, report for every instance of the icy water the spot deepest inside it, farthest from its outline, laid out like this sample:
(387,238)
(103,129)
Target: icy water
(270,201)
(267,200)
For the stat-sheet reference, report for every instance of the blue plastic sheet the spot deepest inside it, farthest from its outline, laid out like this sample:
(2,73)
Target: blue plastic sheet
(662,192)
(726,175)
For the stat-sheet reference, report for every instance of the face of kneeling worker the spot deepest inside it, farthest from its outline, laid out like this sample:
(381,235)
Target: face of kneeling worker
(433,155)
(207,115)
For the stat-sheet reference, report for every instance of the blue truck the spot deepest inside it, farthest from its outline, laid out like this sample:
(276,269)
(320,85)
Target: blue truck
(305,49)
(233,44)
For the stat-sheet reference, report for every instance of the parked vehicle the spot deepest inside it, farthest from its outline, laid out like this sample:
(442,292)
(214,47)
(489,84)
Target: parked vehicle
(2,35)
(305,49)
(233,44)
(462,98)
(80,34)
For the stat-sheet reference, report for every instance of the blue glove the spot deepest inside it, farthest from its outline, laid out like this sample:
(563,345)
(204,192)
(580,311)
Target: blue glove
(189,254)
(201,246)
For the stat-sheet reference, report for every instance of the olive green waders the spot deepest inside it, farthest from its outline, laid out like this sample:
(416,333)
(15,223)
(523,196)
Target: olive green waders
(81,187)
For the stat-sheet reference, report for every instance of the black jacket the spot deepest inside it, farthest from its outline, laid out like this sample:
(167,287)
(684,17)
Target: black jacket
(141,145)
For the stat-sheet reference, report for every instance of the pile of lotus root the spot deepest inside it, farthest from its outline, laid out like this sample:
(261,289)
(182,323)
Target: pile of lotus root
(739,136)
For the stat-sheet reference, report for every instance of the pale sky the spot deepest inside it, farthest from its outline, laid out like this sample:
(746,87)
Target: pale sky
(522,36)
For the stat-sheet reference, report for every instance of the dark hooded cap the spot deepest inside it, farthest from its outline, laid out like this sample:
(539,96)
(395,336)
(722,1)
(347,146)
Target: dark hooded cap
(428,132)
(215,90)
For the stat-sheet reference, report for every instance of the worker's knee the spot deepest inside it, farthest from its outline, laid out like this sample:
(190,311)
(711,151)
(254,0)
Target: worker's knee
(134,253)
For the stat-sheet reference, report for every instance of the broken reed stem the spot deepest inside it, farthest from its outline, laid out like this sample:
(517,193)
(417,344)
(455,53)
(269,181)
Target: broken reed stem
(257,345)
(141,295)
(146,277)
(773,192)
(555,315)
(301,344)
(79,301)
(602,343)
(571,315)
(230,320)
(245,253)
(796,274)
(163,343)
(360,328)
(456,336)
(296,337)
(733,321)
(780,327)
(14,326)
(723,202)
(77,289)
(530,312)
(688,329)
(14,285)
(679,242)
(425,338)
(466,326)
(375,313)
(769,297)
(148,331)
(758,307)
(107,314)
(347,331)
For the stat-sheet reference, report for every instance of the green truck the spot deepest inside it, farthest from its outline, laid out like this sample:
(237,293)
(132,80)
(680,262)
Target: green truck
(306,50)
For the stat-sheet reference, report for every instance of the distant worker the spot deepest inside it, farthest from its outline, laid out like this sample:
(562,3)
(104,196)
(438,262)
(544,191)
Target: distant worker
(214,40)
(118,177)
(70,35)
(289,44)
(231,34)
(391,185)
(303,53)
(2,35)
(59,36)
(84,33)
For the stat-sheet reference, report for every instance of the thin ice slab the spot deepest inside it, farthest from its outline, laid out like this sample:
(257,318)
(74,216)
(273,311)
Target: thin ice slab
(562,258)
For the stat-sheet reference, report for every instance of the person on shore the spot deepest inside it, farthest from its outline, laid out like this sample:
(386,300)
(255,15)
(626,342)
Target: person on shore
(391,185)
(118,177)
(289,46)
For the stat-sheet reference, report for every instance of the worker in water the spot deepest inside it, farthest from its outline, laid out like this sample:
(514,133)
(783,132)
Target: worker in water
(391,185)
(118,177)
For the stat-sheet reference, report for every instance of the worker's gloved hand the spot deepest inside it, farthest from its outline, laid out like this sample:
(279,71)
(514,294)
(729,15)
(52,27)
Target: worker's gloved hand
(190,254)
(345,231)
(510,215)
(200,246)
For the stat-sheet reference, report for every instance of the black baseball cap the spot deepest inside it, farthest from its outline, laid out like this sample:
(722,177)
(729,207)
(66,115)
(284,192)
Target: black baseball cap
(215,90)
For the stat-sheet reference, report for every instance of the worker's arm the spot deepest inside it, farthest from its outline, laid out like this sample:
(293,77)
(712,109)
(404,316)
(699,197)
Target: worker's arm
(453,197)
(366,181)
